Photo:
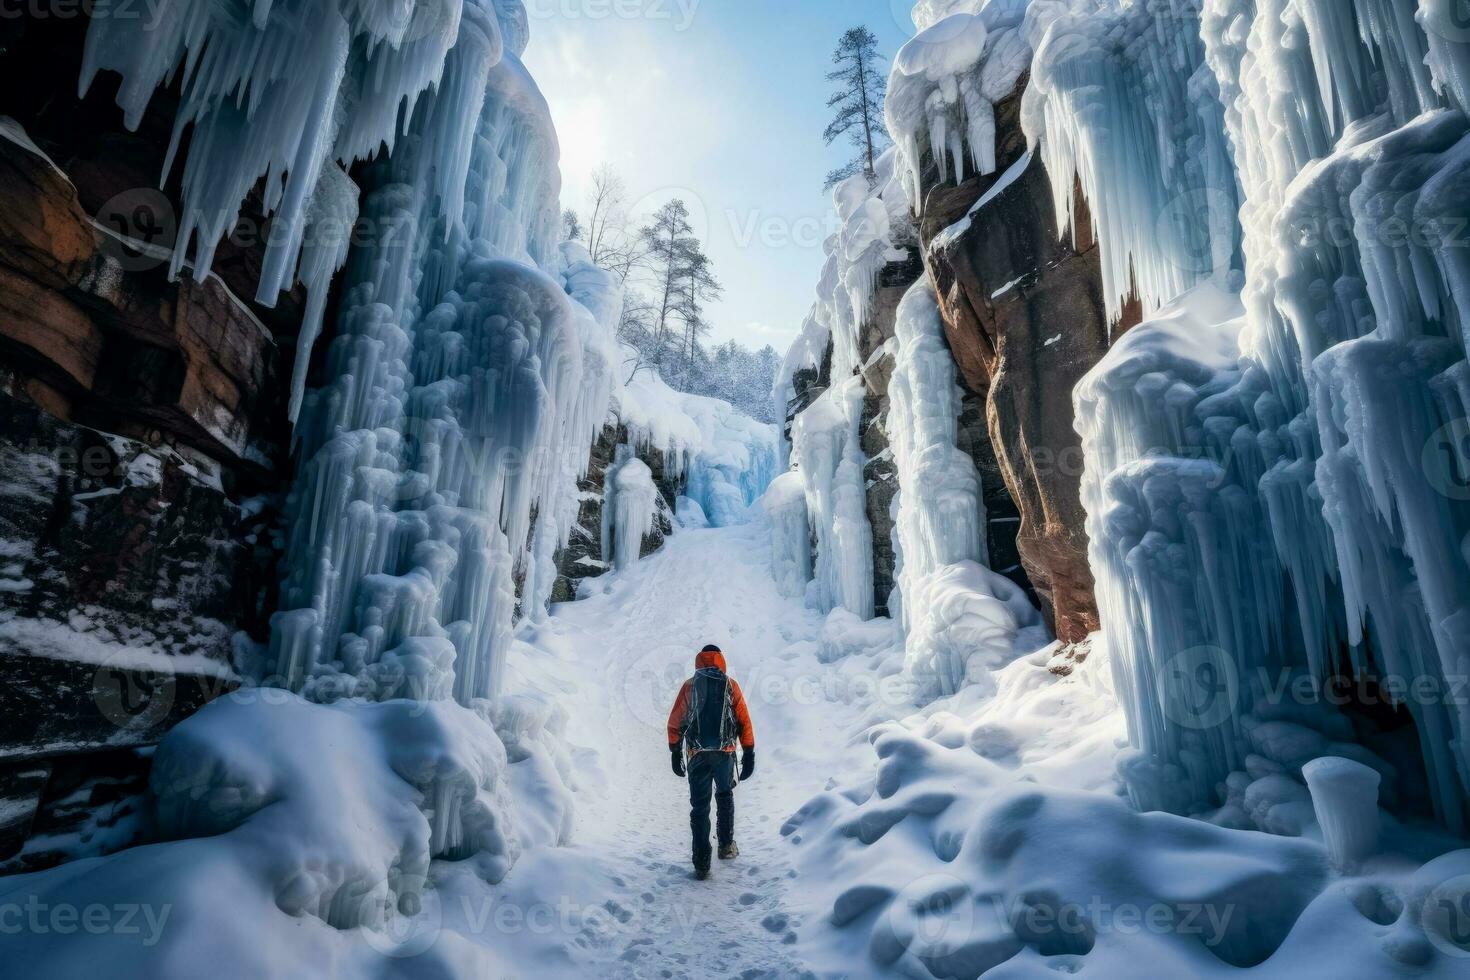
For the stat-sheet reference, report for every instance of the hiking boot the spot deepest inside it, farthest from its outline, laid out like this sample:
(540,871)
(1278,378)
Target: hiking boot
(701,874)
(730,851)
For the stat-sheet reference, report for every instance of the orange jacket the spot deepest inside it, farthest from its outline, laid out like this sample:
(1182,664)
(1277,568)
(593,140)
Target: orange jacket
(680,713)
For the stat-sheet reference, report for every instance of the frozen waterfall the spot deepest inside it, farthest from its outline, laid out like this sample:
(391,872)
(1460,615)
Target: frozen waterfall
(465,384)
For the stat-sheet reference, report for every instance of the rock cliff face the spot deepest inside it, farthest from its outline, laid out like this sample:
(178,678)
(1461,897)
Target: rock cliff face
(586,554)
(1025,318)
(880,475)
(143,447)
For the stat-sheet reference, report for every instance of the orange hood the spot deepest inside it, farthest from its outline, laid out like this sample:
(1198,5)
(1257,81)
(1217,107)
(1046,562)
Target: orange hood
(712,658)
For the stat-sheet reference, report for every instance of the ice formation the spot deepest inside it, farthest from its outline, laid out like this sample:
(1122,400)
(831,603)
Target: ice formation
(1345,797)
(464,385)
(960,618)
(1271,484)
(791,547)
(826,452)
(326,856)
(945,84)
(825,449)
(726,458)
(874,229)
(630,510)
(1120,99)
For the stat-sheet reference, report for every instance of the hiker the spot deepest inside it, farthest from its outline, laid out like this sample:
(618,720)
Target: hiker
(709,717)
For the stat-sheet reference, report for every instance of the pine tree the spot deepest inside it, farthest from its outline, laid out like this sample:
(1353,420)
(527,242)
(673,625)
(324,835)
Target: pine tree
(682,280)
(697,286)
(858,104)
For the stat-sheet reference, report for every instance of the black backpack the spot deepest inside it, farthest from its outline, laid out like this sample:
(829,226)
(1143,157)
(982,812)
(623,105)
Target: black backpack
(710,725)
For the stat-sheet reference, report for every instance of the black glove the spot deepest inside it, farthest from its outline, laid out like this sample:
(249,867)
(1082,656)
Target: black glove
(747,764)
(676,756)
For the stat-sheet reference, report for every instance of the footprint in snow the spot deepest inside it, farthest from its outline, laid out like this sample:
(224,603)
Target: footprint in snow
(747,899)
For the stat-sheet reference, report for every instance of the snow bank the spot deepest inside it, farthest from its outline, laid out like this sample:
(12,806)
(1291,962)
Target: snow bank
(951,866)
(240,810)
(990,840)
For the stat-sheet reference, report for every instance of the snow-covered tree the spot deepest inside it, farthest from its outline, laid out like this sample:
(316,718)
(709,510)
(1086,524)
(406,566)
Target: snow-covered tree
(858,103)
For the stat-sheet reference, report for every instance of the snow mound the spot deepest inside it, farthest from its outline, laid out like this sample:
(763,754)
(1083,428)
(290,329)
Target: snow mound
(990,840)
(249,798)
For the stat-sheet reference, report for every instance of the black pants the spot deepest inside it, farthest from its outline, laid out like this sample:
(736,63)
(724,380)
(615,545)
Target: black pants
(711,770)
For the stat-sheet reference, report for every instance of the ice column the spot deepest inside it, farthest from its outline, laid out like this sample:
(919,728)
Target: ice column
(1345,796)
(961,620)
(631,509)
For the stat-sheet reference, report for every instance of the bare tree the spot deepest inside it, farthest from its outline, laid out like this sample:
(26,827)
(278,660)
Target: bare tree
(608,203)
(635,330)
(858,104)
(571,226)
(611,243)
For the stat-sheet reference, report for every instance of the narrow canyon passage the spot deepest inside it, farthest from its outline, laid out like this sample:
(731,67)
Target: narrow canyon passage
(630,648)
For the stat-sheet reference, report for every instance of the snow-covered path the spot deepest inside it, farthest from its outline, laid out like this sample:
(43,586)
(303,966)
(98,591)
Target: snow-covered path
(632,647)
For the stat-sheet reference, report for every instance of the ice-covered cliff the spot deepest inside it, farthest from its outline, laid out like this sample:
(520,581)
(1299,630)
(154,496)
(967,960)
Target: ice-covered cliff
(408,168)
(468,377)
(1274,459)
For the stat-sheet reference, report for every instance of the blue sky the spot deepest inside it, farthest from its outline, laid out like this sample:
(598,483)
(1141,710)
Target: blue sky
(723,103)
